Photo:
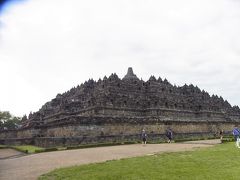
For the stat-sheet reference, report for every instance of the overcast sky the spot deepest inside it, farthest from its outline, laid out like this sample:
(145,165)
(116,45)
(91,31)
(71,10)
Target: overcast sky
(49,46)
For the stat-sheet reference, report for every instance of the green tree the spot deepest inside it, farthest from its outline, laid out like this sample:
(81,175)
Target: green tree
(8,121)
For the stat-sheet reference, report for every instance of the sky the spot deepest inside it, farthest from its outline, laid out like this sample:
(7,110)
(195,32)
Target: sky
(49,46)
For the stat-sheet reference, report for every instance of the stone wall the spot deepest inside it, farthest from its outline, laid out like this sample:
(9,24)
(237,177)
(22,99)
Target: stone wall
(126,129)
(75,134)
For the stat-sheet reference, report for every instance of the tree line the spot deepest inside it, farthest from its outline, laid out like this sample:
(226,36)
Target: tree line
(8,121)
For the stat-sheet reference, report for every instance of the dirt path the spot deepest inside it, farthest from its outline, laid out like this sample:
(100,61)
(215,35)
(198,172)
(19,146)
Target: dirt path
(31,166)
(9,153)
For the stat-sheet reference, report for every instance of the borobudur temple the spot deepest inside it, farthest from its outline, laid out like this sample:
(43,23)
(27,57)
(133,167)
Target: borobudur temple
(116,110)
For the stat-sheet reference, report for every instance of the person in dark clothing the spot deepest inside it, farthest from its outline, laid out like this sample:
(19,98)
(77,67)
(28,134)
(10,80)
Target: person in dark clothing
(169,135)
(221,135)
(144,137)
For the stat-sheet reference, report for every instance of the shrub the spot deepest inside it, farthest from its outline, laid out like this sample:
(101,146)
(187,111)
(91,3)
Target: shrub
(3,146)
(39,150)
(225,140)
(51,149)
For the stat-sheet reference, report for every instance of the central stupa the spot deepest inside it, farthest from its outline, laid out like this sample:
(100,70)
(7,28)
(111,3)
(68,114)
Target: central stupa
(130,74)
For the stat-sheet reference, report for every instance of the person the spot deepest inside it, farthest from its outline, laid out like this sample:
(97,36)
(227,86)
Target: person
(236,134)
(221,135)
(169,135)
(144,137)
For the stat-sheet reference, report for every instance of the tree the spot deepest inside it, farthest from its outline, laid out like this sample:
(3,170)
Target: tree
(8,121)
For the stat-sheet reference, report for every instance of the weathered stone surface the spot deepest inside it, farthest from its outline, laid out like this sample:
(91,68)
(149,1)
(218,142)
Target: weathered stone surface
(112,107)
(131,97)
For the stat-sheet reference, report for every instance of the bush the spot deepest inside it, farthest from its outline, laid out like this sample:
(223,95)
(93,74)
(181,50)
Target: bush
(51,149)
(226,140)
(3,146)
(20,149)
(26,148)
(39,150)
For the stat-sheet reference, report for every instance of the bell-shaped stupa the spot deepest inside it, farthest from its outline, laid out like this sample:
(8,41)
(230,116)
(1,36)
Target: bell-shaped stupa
(130,74)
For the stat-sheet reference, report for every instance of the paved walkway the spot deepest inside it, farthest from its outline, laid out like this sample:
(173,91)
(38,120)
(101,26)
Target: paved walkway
(31,166)
(9,153)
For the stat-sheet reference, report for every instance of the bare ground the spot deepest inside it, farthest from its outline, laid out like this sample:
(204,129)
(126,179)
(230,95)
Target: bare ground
(31,166)
(9,153)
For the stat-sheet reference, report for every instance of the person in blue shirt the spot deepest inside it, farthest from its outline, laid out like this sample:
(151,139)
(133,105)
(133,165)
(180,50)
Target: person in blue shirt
(236,134)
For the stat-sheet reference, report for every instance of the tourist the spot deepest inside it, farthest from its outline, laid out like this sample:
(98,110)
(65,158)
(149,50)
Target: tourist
(169,135)
(236,134)
(144,137)
(221,135)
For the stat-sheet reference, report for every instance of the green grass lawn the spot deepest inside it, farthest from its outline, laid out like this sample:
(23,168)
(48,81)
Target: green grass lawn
(27,148)
(219,162)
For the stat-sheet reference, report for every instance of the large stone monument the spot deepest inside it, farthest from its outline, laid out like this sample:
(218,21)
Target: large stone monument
(114,109)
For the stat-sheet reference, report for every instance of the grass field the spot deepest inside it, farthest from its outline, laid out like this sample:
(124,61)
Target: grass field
(27,148)
(219,162)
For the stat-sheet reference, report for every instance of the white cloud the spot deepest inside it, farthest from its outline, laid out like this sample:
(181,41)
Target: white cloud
(46,47)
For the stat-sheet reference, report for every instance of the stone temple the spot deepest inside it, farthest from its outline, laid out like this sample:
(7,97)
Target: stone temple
(115,110)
